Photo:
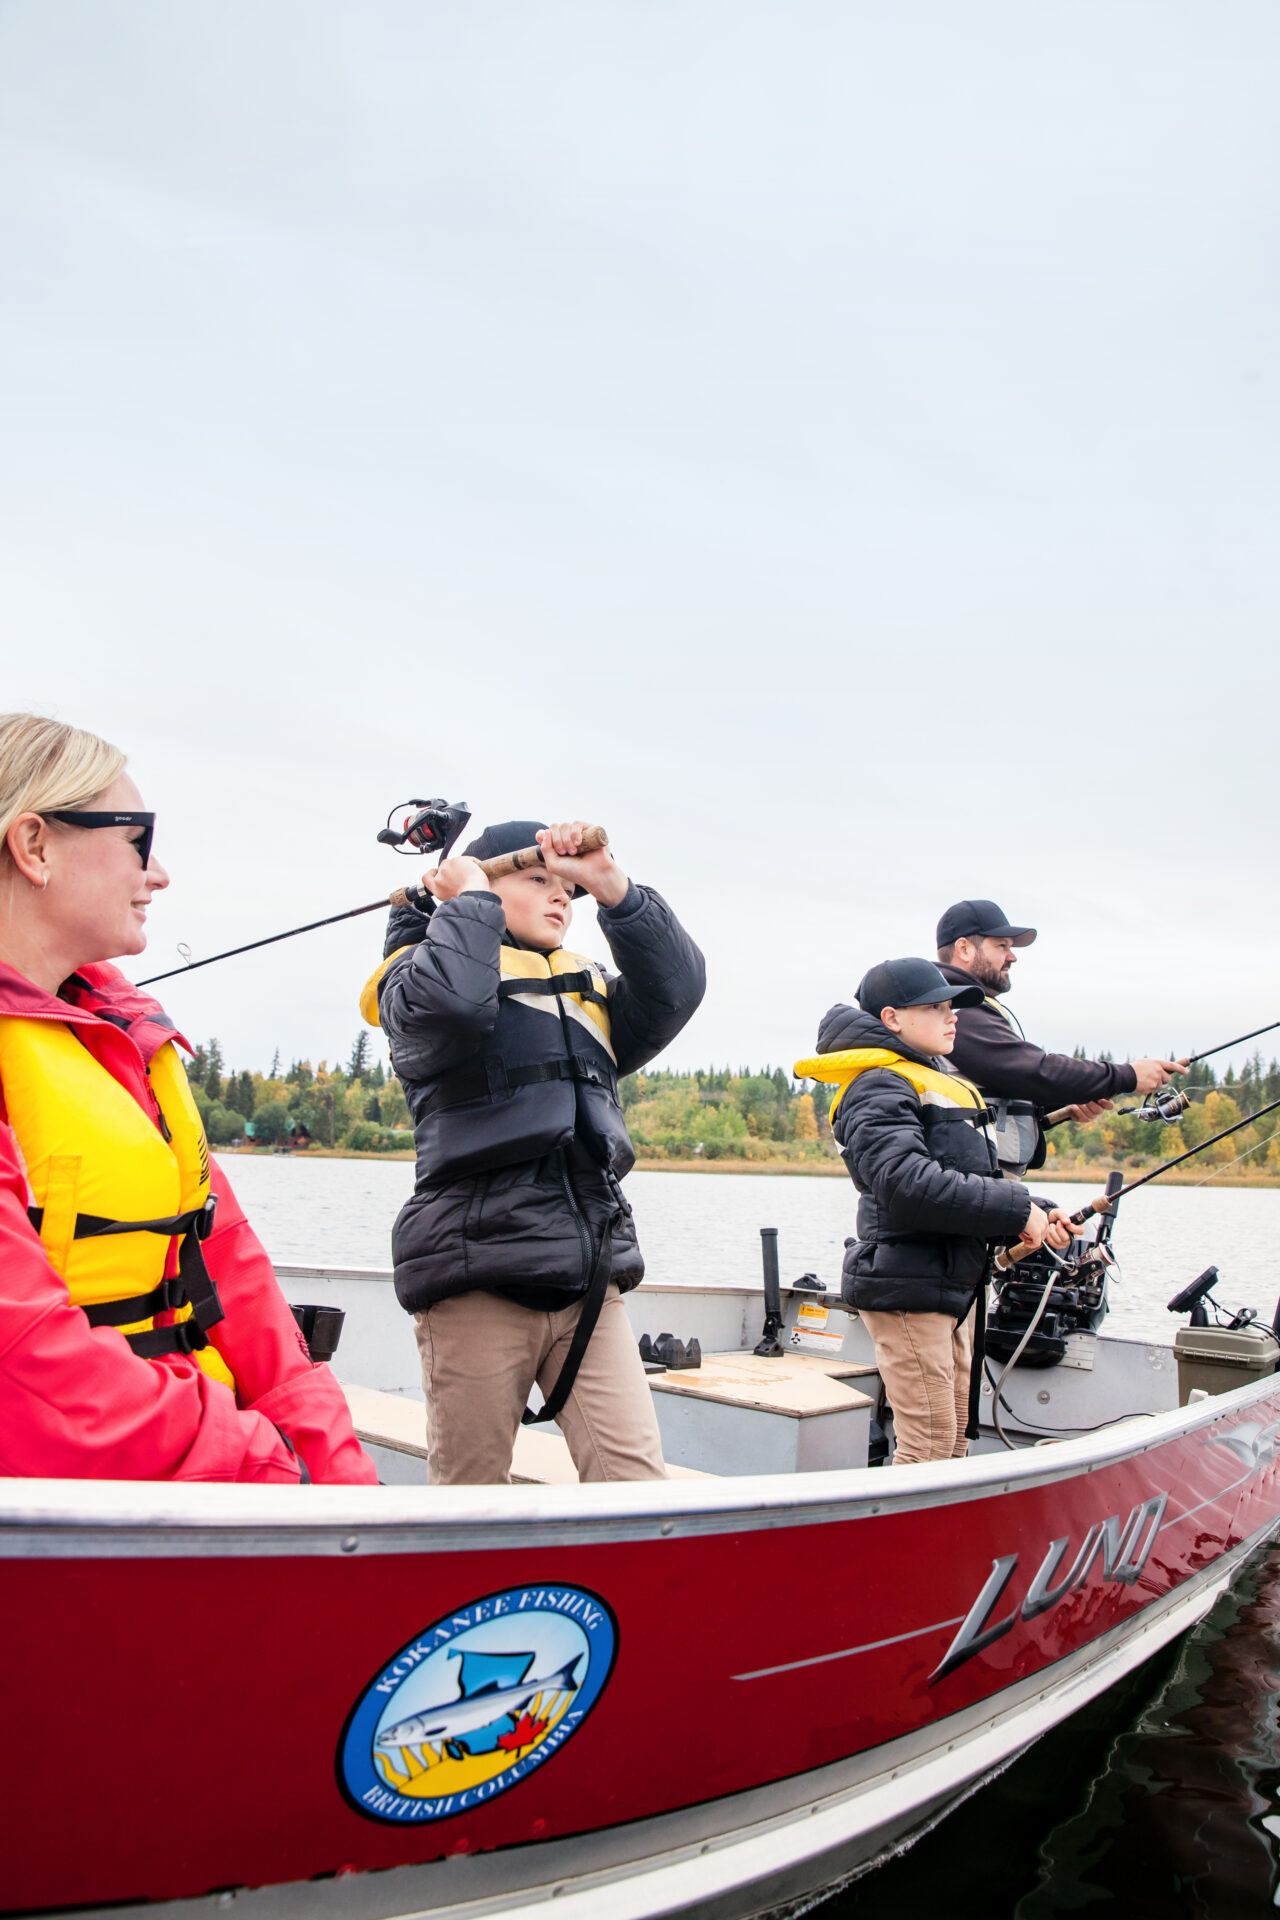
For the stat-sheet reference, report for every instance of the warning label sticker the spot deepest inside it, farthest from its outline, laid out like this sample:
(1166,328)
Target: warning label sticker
(813,1331)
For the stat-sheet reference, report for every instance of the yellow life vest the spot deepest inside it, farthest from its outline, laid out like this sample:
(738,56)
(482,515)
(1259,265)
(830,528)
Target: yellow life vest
(935,1089)
(521,974)
(97,1164)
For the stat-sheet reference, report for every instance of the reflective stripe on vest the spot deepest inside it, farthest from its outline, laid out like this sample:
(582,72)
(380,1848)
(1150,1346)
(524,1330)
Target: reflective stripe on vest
(536,980)
(938,1090)
(110,1193)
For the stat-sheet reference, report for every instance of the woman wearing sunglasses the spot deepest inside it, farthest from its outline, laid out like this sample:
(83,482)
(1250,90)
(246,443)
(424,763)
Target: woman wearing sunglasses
(142,1332)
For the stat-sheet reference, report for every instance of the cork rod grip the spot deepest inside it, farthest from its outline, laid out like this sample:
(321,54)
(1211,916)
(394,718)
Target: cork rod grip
(592,840)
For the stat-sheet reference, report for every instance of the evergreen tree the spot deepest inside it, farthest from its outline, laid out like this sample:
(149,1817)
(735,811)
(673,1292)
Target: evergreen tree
(198,1068)
(213,1071)
(275,1065)
(359,1066)
(241,1096)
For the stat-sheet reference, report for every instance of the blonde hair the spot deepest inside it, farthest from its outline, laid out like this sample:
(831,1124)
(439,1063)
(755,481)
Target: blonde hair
(46,765)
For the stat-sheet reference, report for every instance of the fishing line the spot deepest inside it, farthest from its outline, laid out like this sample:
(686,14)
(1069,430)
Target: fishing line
(1236,1162)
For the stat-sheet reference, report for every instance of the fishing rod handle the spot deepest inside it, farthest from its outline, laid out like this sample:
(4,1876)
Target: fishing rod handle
(592,840)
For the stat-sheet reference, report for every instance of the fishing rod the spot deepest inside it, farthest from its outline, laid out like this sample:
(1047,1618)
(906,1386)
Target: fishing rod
(432,827)
(1239,1041)
(1086,1213)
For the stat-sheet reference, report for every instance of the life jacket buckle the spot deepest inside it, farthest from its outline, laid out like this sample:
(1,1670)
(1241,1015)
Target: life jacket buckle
(188,1335)
(202,1226)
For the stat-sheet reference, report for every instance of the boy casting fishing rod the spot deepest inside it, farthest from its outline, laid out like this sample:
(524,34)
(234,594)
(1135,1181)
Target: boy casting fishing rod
(517,1244)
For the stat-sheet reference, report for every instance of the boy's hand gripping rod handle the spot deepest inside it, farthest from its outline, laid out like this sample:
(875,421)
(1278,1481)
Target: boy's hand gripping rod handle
(593,839)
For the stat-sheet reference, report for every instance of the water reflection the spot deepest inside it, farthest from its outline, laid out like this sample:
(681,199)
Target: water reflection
(1159,1802)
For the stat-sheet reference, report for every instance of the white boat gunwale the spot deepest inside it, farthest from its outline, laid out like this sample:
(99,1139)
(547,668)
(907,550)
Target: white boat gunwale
(155,1519)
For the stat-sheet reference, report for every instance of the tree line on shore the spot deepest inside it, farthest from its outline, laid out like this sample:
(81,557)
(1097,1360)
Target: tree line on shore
(358,1106)
(709,1113)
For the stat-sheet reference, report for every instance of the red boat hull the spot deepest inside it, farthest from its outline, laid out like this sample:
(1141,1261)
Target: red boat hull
(179,1692)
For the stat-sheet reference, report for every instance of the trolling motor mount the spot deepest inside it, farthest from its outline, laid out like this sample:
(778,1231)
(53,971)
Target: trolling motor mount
(433,827)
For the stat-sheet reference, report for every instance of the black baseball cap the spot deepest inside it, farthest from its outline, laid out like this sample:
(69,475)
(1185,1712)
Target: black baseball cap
(910,983)
(509,836)
(980,920)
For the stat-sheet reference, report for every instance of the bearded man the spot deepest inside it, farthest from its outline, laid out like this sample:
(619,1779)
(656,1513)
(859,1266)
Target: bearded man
(1028,1088)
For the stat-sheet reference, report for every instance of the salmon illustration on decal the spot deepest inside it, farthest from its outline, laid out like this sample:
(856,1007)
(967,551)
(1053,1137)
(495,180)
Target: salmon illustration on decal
(472,1723)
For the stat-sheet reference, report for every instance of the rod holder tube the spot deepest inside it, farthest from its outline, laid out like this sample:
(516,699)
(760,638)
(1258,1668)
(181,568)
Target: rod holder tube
(769,1343)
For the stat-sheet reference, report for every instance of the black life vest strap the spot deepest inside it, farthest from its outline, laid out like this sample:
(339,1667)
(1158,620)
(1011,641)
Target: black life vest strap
(583,983)
(593,1301)
(973,1426)
(493,1078)
(192,1285)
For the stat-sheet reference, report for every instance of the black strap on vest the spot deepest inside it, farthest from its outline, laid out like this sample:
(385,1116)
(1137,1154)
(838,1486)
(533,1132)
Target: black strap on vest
(972,1429)
(593,1301)
(491,1078)
(193,1285)
(583,983)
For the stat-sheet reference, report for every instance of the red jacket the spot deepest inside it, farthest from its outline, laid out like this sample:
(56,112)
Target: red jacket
(76,1402)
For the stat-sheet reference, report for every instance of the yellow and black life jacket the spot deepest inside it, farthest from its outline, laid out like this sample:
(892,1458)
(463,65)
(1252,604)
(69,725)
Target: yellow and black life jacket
(942,1093)
(111,1187)
(544,1073)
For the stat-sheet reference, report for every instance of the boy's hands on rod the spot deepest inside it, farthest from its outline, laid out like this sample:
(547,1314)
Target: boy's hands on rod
(596,873)
(1032,1234)
(458,874)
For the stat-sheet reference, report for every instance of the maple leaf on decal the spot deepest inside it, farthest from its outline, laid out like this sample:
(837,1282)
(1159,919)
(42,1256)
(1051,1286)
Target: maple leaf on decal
(525,1731)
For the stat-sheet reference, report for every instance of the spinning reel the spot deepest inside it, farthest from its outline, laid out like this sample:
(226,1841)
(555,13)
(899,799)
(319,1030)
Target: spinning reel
(429,826)
(1167,1104)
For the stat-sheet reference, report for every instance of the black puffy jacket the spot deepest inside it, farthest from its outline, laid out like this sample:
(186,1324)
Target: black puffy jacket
(931,1199)
(520,1137)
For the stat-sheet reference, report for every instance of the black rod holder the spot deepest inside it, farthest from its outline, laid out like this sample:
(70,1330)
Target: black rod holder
(769,1344)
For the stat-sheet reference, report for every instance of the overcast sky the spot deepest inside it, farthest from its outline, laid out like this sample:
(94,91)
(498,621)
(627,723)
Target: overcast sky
(834,445)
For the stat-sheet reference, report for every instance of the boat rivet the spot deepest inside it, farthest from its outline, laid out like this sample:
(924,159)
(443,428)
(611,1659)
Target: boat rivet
(1043,1397)
(350,1544)
(668,1526)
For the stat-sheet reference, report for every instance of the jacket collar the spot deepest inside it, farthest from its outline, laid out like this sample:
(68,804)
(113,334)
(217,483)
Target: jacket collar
(94,995)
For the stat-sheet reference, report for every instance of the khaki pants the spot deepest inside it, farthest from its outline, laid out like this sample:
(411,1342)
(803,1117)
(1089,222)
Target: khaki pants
(924,1361)
(481,1355)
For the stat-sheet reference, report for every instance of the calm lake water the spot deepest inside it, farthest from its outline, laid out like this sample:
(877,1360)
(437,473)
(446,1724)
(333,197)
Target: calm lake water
(705,1227)
(1158,1802)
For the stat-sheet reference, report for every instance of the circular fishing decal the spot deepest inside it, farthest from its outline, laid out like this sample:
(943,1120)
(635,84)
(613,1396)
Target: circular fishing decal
(474,1703)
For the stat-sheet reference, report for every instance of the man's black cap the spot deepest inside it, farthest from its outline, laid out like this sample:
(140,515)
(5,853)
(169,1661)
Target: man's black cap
(980,920)
(910,983)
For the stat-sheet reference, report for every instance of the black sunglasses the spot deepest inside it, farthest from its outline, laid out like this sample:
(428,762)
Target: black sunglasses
(70,817)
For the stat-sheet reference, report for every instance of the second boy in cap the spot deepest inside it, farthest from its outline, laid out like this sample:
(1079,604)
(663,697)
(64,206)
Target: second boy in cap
(913,1135)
